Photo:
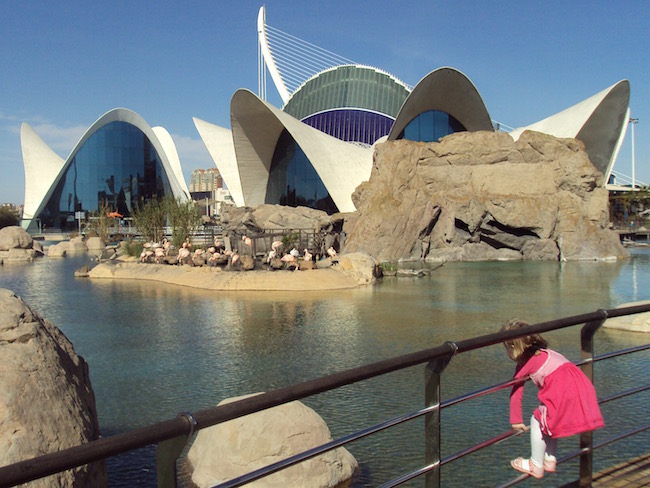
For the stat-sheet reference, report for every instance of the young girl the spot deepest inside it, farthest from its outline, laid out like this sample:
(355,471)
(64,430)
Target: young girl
(568,403)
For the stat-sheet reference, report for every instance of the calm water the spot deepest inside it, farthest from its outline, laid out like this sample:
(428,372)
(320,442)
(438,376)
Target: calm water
(156,350)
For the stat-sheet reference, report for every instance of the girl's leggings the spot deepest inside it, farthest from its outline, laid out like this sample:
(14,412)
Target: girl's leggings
(540,443)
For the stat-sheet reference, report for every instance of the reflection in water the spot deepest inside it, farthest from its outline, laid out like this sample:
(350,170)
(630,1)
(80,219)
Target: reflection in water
(156,350)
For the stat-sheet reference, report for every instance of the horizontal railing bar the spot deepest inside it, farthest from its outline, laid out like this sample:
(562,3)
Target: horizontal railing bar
(514,481)
(619,437)
(613,354)
(48,464)
(482,392)
(290,461)
(410,476)
(622,352)
(623,394)
(479,446)
(453,457)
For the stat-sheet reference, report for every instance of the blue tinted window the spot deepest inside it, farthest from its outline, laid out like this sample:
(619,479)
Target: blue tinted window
(352,125)
(293,180)
(431,126)
(117,165)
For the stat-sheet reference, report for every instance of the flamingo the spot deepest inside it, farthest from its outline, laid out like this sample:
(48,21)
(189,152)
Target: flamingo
(247,241)
(183,253)
(159,254)
(234,258)
(294,252)
(308,255)
(276,245)
(331,252)
(271,256)
(290,261)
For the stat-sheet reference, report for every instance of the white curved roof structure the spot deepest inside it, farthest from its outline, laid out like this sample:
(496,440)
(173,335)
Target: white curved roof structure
(447,90)
(218,141)
(169,150)
(42,166)
(256,128)
(599,122)
(44,169)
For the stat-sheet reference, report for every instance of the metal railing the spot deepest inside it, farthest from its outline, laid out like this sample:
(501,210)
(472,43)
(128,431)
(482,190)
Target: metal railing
(171,436)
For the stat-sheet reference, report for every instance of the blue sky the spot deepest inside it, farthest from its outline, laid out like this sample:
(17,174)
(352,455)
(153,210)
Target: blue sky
(64,64)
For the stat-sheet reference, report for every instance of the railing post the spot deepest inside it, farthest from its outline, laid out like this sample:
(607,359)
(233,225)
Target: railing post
(586,438)
(167,453)
(432,396)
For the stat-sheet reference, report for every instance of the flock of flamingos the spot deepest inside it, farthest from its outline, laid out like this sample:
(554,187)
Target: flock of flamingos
(219,255)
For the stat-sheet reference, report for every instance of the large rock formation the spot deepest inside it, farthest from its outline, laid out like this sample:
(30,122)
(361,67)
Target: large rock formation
(46,400)
(482,196)
(272,217)
(239,446)
(16,244)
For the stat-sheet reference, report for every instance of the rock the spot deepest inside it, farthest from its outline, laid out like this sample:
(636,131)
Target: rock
(247,262)
(360,266)
(38,247)
(306,265)
(324,263)
(46,401)
(57,250)
(95,243)
(76,245)
(14,237)
(482,196)
(18,255)
(639,322)
(272,217)
(228,450)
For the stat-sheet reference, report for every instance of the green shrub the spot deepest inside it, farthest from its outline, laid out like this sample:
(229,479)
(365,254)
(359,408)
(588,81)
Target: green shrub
(132,248)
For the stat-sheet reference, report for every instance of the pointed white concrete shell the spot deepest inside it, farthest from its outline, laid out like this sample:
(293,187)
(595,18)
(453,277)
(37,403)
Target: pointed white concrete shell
(42,165)
(599,122)
(169,149)
(218,141)
(447,90)
(257,126)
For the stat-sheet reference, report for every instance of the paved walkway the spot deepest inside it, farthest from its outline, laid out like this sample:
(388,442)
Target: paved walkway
(632,474)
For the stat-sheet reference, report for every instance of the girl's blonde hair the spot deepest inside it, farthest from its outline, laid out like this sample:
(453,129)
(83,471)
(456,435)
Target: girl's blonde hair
(522,348)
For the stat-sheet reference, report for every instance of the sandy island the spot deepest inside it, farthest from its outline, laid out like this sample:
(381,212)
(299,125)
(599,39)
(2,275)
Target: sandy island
(212,278)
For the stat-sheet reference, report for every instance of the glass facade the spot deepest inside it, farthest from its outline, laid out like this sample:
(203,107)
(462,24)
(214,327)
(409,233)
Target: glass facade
(117,165)
(431,126)
(352,125)
(293,181)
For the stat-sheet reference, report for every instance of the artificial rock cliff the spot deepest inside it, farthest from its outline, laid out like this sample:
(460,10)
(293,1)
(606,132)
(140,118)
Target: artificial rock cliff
(477,196)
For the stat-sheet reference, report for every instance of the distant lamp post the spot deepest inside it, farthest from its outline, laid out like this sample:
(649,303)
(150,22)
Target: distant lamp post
(633,121)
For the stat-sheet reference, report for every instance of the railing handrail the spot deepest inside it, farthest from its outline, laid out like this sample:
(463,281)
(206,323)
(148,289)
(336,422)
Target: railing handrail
(185,424)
